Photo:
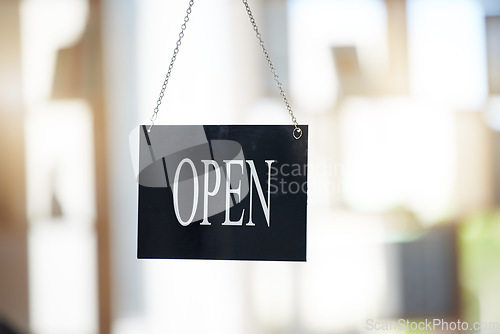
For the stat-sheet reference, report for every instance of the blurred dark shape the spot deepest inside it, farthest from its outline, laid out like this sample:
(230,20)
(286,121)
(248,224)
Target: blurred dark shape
(397,78)
(493,52)
(78,67)
(71,72)
(14,294)
(350,78)
(425,275)
(6,328)
(79,74)
(479,244)
(56,209)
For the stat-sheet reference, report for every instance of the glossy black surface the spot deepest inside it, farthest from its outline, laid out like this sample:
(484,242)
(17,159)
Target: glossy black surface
(160,235)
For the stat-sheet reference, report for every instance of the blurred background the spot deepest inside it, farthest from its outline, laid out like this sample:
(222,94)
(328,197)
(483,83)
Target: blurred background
(403,102)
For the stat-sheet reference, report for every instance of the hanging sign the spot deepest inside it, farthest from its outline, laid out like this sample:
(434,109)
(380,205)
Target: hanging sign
(234,192)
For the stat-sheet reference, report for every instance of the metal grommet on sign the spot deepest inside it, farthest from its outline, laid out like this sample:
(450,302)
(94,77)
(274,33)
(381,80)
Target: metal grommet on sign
(297,132)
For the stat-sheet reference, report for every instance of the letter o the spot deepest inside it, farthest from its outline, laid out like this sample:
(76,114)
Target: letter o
(176,192)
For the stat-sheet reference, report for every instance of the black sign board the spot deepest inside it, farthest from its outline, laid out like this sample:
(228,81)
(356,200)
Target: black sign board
(235,192)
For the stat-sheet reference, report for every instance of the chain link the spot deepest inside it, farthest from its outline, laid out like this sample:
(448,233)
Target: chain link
(297,131)
(171,66)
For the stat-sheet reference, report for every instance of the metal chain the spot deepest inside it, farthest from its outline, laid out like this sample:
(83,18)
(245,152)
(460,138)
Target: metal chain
(297,132)
(171,66)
